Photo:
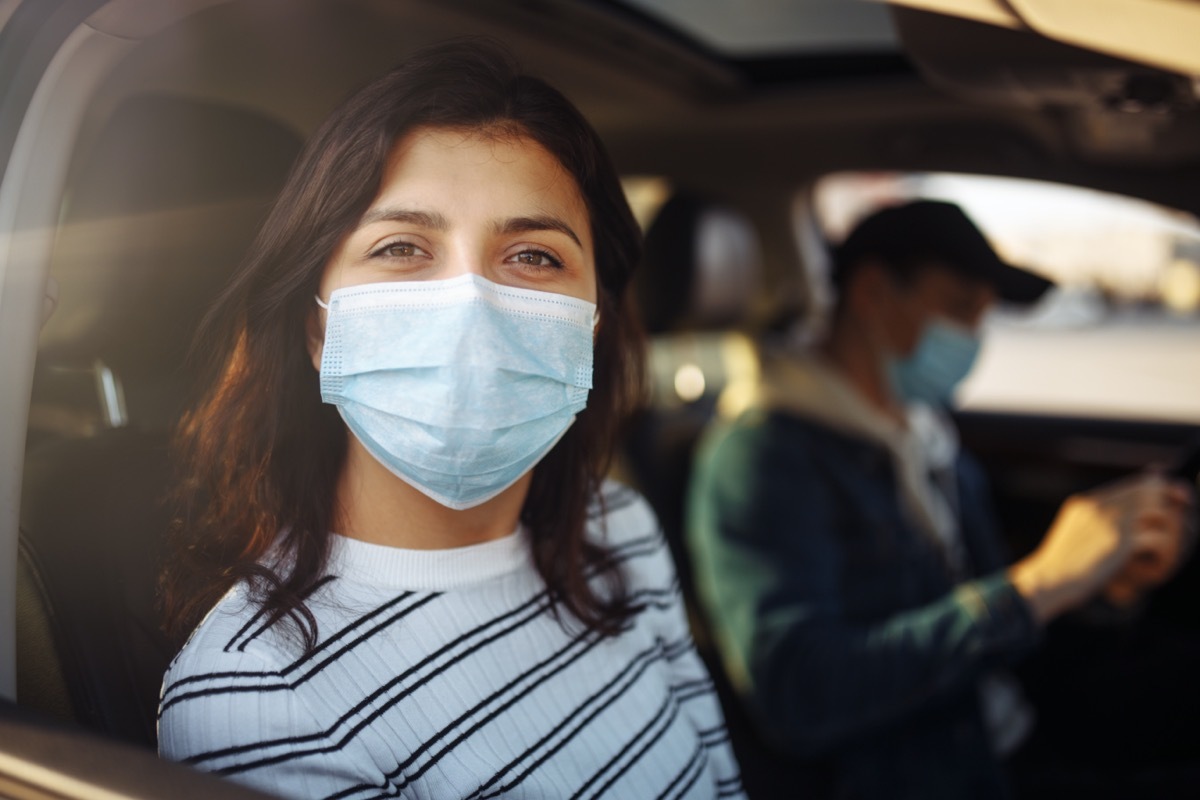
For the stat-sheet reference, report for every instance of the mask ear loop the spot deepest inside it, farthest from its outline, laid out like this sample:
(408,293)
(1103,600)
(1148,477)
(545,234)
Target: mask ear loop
(320,302)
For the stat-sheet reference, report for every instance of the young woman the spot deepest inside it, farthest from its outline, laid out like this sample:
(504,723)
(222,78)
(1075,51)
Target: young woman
(420,584)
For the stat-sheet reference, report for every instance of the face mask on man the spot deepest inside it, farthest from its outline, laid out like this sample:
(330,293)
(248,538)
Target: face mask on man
(942,358)
(457,386)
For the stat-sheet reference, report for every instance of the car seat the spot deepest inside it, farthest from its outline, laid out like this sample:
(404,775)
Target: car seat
(699,277)
(161,207)
(696,292)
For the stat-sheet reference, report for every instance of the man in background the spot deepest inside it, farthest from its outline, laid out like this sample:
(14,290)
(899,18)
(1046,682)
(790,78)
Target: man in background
(844,547)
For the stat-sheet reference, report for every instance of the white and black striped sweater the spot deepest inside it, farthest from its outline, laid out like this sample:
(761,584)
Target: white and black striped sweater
(442,674)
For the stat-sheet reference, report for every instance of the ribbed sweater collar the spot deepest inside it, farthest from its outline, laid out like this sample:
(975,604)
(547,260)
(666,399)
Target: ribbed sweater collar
(427,570)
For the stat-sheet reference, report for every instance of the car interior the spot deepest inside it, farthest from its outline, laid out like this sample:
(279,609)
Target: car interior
(152,136)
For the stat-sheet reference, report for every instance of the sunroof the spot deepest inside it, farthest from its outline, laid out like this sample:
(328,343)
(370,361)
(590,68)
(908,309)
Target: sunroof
(758,28)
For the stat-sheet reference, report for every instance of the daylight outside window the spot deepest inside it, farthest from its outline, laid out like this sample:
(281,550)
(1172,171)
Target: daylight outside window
(1119,337)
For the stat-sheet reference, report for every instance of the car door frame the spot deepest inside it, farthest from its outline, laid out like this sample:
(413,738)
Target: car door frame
(52,60)
(53,55)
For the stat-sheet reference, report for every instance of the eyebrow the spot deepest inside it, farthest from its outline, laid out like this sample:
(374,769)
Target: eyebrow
(437,222)
(540,222)
(423,219)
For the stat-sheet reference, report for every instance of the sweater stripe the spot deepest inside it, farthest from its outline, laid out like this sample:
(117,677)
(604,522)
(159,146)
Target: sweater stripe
(694,767)
(526,614)
(647,736)
(579,644)
(509,703)
(169,701)
(634,549)
(695,689)
(530,614)
(581,715)
(613,502)
(274,617)
(250,623)
(729,787)
(396,788)
(458,677)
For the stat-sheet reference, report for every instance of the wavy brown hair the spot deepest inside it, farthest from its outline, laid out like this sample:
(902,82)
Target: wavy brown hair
(261,453)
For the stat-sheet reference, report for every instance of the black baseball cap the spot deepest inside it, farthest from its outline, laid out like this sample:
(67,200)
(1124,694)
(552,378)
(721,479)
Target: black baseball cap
(936,231)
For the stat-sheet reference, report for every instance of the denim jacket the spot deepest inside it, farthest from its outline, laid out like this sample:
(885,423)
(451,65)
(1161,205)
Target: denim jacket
(838,620)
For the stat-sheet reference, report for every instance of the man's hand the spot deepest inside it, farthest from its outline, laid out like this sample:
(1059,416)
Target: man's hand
(1161,553)
(1136,528)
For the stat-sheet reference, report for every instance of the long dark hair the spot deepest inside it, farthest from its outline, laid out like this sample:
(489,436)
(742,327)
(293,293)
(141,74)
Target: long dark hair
(261,453)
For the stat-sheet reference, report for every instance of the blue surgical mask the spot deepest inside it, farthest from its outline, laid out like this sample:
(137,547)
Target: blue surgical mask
(457,386)
(943,357)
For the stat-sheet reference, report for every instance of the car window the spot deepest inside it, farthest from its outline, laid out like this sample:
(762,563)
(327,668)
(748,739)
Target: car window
(1116,338)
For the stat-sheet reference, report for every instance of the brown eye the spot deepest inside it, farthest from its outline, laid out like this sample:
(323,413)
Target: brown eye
(398,250)
(401,250)
(537,258)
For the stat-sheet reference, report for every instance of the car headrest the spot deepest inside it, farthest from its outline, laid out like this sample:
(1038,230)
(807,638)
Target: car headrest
(161,208)
(701,267)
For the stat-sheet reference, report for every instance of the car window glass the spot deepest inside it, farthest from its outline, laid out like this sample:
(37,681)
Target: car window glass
(756,27)
(1117,337)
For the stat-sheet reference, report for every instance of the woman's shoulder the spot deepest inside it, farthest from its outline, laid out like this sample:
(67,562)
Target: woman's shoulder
(235,637)
(231,691)
(618,516)
(621,521)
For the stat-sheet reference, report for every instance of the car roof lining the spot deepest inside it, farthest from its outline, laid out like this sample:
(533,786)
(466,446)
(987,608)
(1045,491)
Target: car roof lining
(298,64)
(662,106)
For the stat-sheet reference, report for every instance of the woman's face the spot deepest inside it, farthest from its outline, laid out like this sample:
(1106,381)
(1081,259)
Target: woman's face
(454,202)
